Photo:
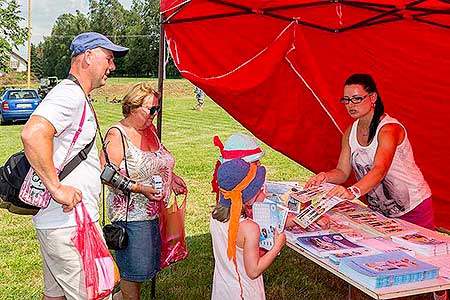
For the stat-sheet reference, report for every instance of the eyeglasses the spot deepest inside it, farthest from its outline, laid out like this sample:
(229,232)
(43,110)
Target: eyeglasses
(154,109)
(354,99)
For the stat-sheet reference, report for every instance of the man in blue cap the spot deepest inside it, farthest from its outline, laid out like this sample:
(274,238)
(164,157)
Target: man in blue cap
(51,138)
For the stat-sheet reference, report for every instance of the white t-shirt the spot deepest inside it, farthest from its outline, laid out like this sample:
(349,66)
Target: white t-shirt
(403,188)
(63,108)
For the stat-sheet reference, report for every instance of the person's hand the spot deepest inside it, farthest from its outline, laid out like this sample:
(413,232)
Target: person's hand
(290,219)
(150,192)
(279,240)
(68,196)
(178,185)
(317,180)
(340,192)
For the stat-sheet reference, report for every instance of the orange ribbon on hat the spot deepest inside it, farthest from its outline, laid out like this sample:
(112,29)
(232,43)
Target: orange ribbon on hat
(235,195)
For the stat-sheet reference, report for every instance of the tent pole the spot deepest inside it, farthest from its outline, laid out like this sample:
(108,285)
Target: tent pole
(161,72)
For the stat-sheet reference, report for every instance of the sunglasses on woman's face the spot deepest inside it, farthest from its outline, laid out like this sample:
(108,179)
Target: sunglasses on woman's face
(154,109)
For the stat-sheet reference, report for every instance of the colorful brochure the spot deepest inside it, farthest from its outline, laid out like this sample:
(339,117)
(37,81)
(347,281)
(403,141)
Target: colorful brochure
(269,217)
(319,204)
(324,245)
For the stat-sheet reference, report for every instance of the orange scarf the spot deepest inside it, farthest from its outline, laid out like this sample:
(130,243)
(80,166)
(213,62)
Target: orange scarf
(236,207)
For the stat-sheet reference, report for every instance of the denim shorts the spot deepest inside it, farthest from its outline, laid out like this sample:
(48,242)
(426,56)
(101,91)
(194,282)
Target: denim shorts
(140,260)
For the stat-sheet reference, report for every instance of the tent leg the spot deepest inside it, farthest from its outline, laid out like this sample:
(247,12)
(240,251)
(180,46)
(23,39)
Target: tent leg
(161,73)
(153,291)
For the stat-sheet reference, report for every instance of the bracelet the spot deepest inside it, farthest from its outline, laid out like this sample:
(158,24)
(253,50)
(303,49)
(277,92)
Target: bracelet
(355,191)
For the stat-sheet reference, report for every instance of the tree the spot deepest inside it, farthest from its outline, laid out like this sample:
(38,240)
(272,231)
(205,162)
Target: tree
(56,54)
(36,60)
(11,34)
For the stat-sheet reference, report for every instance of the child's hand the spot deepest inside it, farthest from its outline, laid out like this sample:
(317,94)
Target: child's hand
(279,240)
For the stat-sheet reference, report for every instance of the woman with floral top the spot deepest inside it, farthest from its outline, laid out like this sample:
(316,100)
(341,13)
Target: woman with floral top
(133,146)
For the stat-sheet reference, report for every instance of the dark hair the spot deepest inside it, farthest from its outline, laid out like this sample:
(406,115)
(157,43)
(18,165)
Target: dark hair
(367,82)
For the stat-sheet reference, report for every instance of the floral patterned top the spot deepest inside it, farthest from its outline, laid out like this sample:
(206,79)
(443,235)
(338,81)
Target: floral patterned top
(142,165)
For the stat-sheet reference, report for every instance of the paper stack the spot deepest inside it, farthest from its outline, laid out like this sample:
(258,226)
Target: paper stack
(426,245)
(387,269)
(385,245)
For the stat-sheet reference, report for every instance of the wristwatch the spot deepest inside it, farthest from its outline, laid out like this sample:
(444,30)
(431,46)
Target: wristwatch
(355,191)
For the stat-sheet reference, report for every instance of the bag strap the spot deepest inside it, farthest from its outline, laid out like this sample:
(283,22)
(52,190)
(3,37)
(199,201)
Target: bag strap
(128,195)
(74,162)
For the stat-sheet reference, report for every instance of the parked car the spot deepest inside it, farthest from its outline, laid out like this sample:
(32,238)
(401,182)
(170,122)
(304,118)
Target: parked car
(18,104)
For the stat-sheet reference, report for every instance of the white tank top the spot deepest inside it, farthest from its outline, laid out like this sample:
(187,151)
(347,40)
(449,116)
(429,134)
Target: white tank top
(225,282)
(403,187)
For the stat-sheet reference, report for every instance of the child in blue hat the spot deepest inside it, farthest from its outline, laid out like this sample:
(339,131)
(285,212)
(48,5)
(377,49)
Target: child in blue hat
(235,236)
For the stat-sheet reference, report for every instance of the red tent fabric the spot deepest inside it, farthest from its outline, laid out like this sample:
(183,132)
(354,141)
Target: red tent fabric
(278,67)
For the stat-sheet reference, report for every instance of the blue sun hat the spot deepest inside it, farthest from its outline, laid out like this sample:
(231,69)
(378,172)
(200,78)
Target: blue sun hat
(231,173)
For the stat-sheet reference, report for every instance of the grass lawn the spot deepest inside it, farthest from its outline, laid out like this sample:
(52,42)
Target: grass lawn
(188,135)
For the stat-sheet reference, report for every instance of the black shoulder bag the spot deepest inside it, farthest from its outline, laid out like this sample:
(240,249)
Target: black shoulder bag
(13,173)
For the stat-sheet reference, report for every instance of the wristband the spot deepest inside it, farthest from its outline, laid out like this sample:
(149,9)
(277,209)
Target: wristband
(355,191)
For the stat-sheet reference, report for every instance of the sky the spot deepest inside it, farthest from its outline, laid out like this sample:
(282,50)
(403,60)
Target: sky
(44,14)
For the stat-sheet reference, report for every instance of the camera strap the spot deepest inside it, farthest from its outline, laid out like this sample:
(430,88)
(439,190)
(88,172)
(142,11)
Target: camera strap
(128,195)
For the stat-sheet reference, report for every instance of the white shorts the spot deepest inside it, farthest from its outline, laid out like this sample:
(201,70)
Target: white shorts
(62,265)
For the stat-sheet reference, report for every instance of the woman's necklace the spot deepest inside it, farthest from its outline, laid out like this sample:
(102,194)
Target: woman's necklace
(364,131)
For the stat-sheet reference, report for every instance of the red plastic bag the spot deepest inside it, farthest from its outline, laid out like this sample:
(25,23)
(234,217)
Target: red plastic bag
(100,270)
(173,238)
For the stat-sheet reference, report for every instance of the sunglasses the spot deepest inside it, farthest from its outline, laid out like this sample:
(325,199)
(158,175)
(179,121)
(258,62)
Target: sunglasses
(154,109)
(354,99)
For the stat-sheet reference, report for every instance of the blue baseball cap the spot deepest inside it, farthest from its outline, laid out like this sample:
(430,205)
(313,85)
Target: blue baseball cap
(90,40)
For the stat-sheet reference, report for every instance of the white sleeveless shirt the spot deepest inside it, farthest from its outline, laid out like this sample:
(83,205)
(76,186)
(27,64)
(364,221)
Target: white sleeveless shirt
(225,281)
(403,187)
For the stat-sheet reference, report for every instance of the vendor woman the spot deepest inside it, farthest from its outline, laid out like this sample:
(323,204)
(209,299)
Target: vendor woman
(376,146)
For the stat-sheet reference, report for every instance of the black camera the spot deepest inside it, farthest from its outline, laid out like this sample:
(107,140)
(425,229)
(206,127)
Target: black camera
(112,177)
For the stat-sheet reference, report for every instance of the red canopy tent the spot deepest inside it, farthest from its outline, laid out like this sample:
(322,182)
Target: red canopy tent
(278,68)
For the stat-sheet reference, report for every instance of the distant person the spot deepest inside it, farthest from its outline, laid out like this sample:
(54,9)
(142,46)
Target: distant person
(235,236)
(199,95)
(47,139)
(139,155)
(377,148)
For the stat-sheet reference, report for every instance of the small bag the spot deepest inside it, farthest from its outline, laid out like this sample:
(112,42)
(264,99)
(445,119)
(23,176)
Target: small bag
(33,191)
(116,236)
(173,238)
(100,270)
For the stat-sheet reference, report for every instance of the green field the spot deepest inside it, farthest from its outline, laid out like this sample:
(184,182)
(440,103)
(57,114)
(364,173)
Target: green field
(188,135)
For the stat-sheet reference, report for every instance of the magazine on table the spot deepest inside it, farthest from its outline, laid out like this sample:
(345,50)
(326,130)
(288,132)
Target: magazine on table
(319,204)
(385,245)
(337,256)
(296,231)
(326,244)
(378,223)
(436,244)
(352,233)
(347,207)
(387,269)
(269,217)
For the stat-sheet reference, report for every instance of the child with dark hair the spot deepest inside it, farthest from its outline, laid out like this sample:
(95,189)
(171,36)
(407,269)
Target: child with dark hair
(235,236)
